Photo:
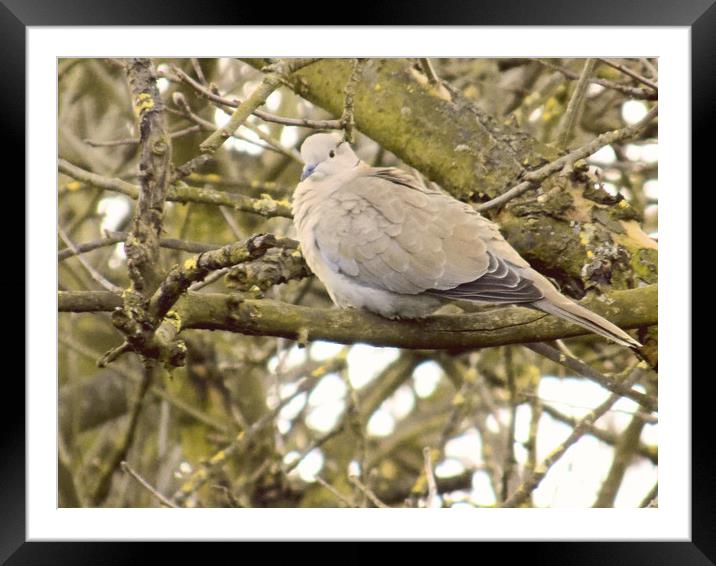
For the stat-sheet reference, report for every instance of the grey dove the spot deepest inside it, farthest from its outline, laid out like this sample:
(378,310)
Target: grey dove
(380,241)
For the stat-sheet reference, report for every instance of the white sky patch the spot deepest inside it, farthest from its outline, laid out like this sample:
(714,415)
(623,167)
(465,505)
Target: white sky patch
(482,493)
(449,468)
(521,453)
(330,389)
(523,417)
(273,102)
(621,413)
(324,417)
(400,403)
(647,153)
(650,434)
(467,448)
(492,424)
(221,118)
(295,357)
(651,189)
(605,154)
(321,350)
(291,409)
(354,468)
(310,466)
(573,397)
(612,175)
(162,83)
(574,480)
(291,457)
(118,257)
(114,210)
(426,378)
(381,423)
(594,89)
(366,362)
(650,152)
(289,137)
(535,115)
(639,478)
(283,425)
(610,188)
(633,111)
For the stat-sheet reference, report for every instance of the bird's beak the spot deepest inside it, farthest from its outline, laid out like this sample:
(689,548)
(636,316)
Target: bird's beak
(307,170)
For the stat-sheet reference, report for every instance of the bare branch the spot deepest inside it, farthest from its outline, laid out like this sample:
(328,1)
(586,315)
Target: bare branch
(265,206)
(632,74)
(532,179)
(576,103)
(146,485)
(523,492)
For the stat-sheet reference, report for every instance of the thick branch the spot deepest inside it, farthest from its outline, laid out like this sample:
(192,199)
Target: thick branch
(198,267)
(476,157)
(142,245)
(510,325)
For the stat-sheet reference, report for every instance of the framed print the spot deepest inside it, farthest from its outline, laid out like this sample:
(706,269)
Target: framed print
(324,282)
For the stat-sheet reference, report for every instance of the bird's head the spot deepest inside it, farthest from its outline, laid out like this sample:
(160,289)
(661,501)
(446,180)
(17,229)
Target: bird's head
(326,154)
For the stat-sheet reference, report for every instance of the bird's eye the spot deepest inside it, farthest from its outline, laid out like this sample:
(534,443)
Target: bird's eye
(332,153)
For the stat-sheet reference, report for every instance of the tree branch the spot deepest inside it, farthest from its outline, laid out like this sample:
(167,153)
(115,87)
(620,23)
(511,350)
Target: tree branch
(509,325)
(142,245)
(532,179)
(265,206)
(565,230)
(576,103)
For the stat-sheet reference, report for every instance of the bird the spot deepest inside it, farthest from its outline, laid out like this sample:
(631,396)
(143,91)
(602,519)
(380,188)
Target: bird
(380,241)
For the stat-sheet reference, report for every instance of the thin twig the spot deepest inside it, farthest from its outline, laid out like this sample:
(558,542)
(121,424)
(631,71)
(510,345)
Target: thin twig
(337,494)
(186,112)
(315,444)
(265,116)
(428,70)
(96,275)
(653,72)
(634,92)
(533,179)
(135,141)
(624,452)
(347,118)
(580,368)
(146,485)
(433,497)
(651,498)
(576,103)
(271,81)
(510,461)
(264,206)
(105,481)
(523,492)
(365,490)
(114,238)
(608,437)
(632,74)
(197,69)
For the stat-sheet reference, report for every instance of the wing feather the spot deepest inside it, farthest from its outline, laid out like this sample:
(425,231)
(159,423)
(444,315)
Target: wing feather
(384,231)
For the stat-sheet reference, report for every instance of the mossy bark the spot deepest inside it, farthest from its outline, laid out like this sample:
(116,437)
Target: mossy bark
(570,228)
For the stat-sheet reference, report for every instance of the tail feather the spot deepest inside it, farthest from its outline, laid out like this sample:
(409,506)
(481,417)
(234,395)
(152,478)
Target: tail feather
(583,317)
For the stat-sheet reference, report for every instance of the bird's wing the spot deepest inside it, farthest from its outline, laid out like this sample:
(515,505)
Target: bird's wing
(384,231)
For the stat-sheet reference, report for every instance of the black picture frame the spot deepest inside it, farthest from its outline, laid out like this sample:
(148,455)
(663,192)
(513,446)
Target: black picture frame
(699,15)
